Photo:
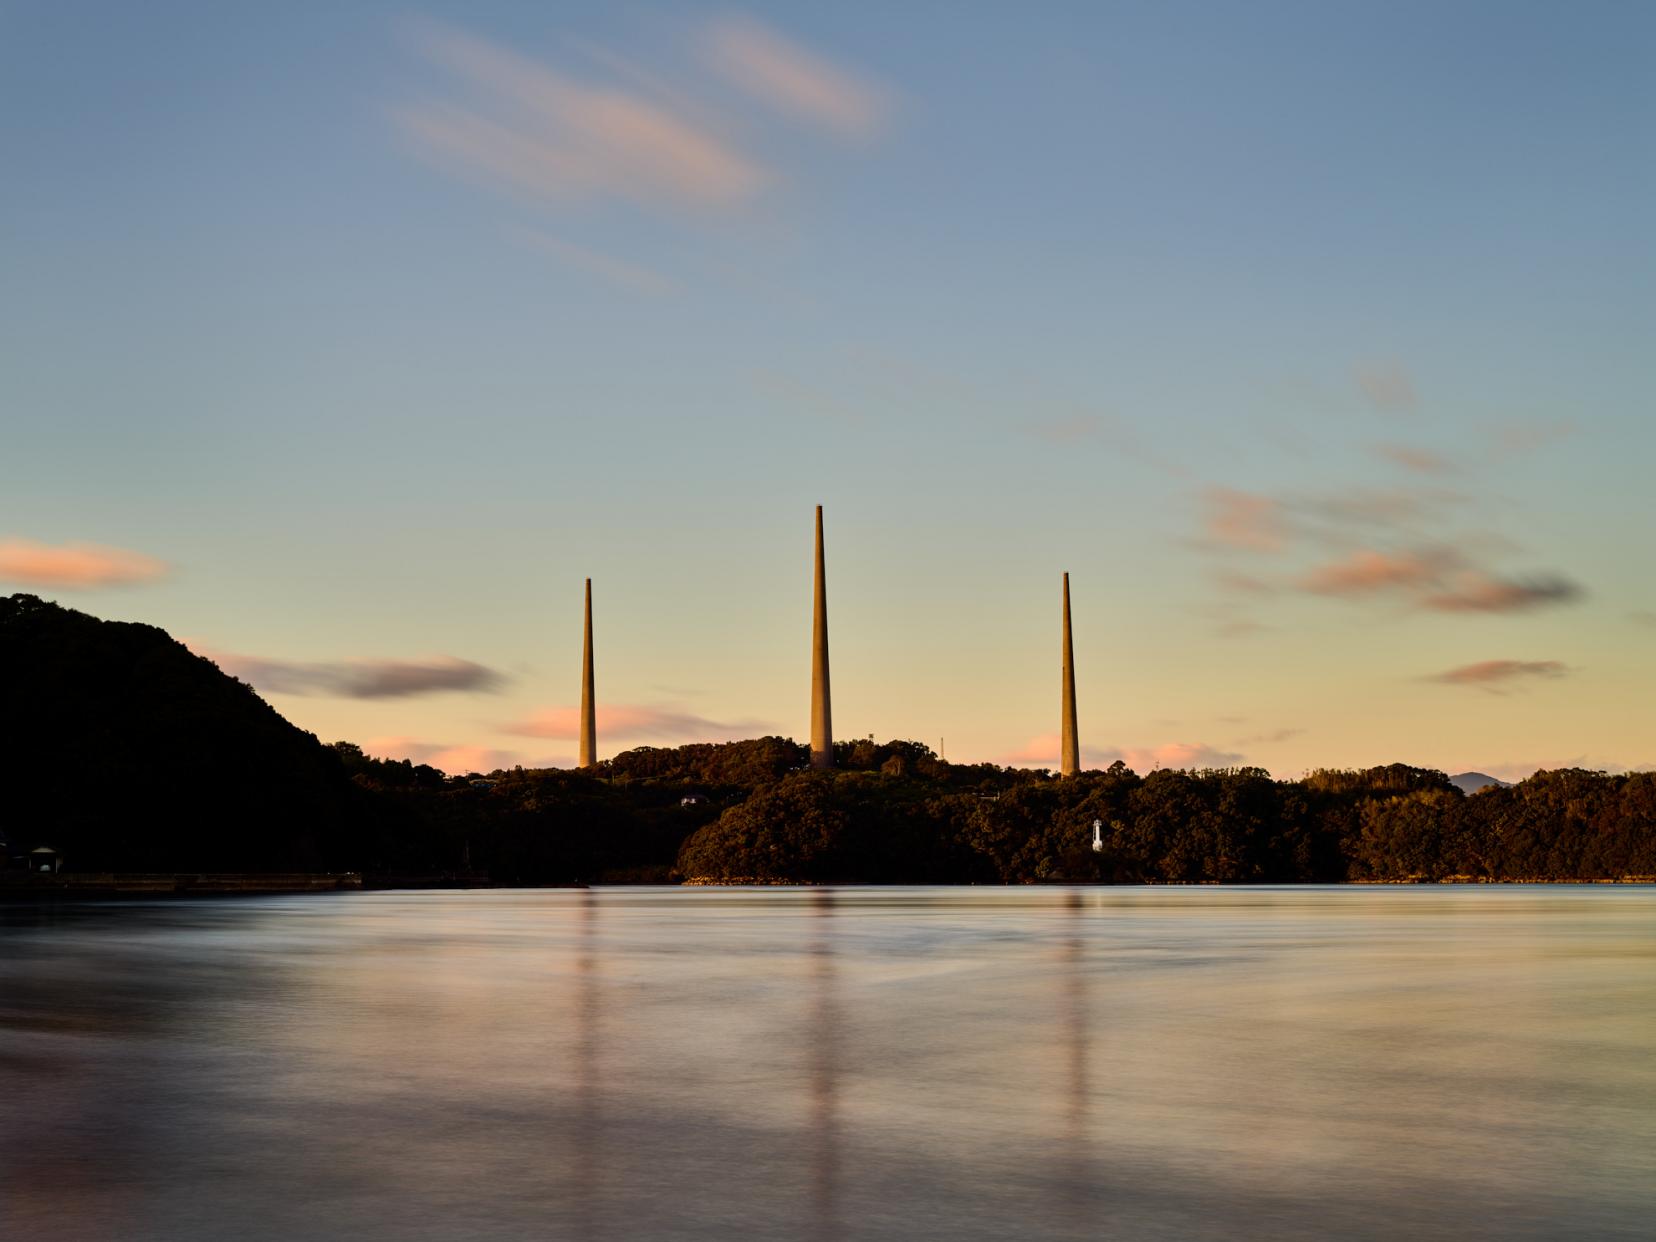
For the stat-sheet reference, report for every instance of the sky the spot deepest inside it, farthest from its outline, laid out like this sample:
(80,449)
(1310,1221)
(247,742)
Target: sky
(1313,340)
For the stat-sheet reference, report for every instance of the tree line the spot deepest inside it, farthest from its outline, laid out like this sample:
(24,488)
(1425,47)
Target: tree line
(128,752)
(896,813)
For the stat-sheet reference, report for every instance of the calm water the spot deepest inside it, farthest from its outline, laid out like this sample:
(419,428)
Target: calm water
(868,1063)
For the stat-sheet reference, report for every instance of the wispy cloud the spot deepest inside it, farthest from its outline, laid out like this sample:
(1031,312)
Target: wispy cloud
(791,79)
(1387,385)
(1477,591)
(615,271)
(73,566)
(640,722)
(1644,617)
(1273,738)
(1368,572)
(1514,439)
(356,679)
(1437,579)
(1075,427)
(1243,520)
(529,128)
(1499,676)
(1041,751)
(1410,457)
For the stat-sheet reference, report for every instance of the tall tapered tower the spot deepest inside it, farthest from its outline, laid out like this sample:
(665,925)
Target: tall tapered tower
(589,722)
(822,723)
(1069,759)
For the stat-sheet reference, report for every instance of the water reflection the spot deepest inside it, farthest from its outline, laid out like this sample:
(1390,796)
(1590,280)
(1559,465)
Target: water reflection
(586,1163)
(822,1041)
(851,1064)
(1072,976)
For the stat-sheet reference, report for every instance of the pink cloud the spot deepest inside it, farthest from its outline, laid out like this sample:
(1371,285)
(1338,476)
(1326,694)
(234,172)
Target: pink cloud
(1436,579)
(551,136)
(455,760)
(634,722)
(74,565)
(1244,520)
(1041,751)
(791,79)
(1366,572)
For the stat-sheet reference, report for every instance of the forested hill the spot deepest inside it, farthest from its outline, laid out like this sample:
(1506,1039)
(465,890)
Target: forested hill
(128,752)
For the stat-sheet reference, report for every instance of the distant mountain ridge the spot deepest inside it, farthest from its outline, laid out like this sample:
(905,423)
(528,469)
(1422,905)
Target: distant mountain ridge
(1474,782)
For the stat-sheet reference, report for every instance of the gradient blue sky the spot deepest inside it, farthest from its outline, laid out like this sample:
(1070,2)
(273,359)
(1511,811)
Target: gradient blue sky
(1313,339)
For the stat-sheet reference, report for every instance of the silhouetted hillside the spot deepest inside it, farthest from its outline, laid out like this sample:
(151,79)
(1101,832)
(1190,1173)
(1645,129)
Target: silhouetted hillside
(126,751)
(130,753)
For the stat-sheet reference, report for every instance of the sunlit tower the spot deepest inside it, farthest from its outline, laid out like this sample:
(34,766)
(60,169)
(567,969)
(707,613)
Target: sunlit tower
(822,727)
(589,722)
(1069,759)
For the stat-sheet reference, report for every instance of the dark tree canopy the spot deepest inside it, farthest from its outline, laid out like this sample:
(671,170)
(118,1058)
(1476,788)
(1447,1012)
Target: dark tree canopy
(130,753)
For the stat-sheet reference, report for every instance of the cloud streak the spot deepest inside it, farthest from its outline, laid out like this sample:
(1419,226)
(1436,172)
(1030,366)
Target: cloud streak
(1436,579)
(531,129)
(1369,572)
(358,679)
(1496,676)
(618,272)
(1476,591)
(634,721)
(72,566)
(1243,520)
(1388,386)
(781,73)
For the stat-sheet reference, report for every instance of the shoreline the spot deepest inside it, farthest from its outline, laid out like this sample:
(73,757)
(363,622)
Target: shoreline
(23,885)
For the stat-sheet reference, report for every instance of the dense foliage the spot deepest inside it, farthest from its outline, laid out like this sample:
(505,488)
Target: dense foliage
(131,753)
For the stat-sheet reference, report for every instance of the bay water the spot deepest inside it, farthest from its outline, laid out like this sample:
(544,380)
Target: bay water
(855,1063)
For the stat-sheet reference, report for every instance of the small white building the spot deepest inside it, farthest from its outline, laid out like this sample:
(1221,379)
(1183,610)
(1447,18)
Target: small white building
(45,858)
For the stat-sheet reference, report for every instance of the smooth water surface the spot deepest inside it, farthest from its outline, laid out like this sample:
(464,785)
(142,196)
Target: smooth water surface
(858,1063)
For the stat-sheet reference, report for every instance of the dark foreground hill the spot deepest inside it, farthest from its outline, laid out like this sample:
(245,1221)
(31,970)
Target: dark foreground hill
(128,752)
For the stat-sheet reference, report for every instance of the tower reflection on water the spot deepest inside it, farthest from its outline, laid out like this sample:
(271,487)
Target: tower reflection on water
(1073,976)
(823,1042)
(586,1163)
(595,1193)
